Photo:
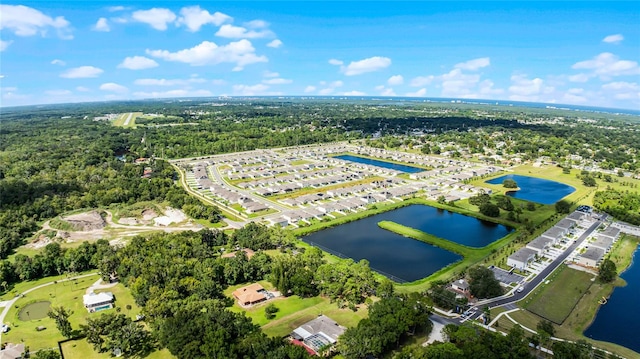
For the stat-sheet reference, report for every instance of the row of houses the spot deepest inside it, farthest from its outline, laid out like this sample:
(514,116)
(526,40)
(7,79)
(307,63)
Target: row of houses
(598,247)
(537,247)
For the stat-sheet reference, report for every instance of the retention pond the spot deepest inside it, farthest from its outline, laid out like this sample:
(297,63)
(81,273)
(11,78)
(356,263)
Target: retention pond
(400,258)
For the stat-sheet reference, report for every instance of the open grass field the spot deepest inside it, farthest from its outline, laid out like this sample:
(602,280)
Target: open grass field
(556,300)
(295,311)
(127,119)
(67,294)
(81,349)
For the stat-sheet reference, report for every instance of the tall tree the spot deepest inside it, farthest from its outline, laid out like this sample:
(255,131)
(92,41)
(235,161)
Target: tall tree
(61,316)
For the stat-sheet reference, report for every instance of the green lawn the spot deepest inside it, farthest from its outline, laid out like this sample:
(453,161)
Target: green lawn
(81,349)
(295,311)
(67,294)
(556,300)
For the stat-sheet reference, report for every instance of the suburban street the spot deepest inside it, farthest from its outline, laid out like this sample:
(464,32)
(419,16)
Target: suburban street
(530,286)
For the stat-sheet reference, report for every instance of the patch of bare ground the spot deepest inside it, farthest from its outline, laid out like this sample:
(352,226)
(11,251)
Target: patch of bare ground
(86,221)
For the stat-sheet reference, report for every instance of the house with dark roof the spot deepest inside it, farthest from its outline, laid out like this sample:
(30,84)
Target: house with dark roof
(540,244)
(591,257)
(318,333)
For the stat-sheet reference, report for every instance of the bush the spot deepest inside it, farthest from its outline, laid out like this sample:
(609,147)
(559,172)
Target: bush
(509,183)
(270,311)
(490,210)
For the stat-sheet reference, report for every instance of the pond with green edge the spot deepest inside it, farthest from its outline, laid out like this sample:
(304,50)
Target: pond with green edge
(33,311)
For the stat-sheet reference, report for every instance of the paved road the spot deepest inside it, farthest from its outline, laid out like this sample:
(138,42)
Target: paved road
(126,123)
(9,304)
(530,286)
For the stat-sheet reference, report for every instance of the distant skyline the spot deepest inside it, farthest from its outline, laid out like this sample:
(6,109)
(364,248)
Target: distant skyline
(580,53)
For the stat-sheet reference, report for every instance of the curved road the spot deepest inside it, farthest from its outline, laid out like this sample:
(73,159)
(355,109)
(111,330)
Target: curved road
(9,303)
(515,297)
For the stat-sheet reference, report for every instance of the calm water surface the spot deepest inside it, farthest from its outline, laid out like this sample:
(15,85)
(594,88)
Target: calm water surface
(618,321)
(536,189)
(369,161)
(400,258)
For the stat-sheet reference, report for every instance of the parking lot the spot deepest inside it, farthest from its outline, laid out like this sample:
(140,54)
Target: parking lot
(505,277)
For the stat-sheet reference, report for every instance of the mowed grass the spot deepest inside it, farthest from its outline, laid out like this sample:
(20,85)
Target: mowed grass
(294,311)
(81,349)
(66,294)
(121,121)
(556,300)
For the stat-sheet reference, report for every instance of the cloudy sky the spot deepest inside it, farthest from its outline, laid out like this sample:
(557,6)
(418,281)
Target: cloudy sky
(583,53)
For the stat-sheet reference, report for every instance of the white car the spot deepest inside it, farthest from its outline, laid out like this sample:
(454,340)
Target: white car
(4,328)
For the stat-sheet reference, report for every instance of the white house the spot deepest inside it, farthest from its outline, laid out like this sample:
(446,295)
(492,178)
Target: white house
(98,301)
(591,257)
(540,245)
(521,258)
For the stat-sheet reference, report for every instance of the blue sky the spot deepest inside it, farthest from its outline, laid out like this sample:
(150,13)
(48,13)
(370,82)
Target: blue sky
(583,53)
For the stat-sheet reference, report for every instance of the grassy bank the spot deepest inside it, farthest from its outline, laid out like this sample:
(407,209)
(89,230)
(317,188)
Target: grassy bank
(470,255)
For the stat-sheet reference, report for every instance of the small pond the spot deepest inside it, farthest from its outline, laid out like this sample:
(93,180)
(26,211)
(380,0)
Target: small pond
(33,311)
(536,189)
(383,164)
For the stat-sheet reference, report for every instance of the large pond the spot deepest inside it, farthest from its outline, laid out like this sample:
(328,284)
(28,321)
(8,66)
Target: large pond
(618,321)
(536,189)
(404,259)
(383,164)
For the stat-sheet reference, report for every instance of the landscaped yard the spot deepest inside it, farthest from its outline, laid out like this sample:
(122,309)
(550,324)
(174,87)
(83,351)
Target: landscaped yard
(556,300)
(294,311)
(81,349)
(67,294)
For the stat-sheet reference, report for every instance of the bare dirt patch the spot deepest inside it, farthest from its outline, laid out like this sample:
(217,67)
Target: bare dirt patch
(171,215)
(87,221)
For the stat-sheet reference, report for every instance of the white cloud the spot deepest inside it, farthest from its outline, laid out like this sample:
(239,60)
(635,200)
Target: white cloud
(250,90)
(326,91)
(275,44)
(102,25)
(420,93)
(238,32)
(385,91)
(524,89)
(422,81)
(137,63)
(26,21)
(354,93)
(113,87)
(82,89)
(613,39)
(173,93)
(58,62)
(270,74)
(607,65)
(486,89)
(194,18)
(371,64)
(474,65)
(623,90)
(82,72)
(58,92)
(395,80)
(309,89)
(455,83)
(256,24)
(241,53)
(4,44)
(116,8)
(579,77)
(277,81)
(157,18)
(165,82)
(219,82)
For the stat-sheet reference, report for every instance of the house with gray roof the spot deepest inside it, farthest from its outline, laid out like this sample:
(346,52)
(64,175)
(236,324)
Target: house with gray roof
(318,333)
(555,233)
(540,244)
(611,232)
(591,257)
(521,258)
(602,242)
